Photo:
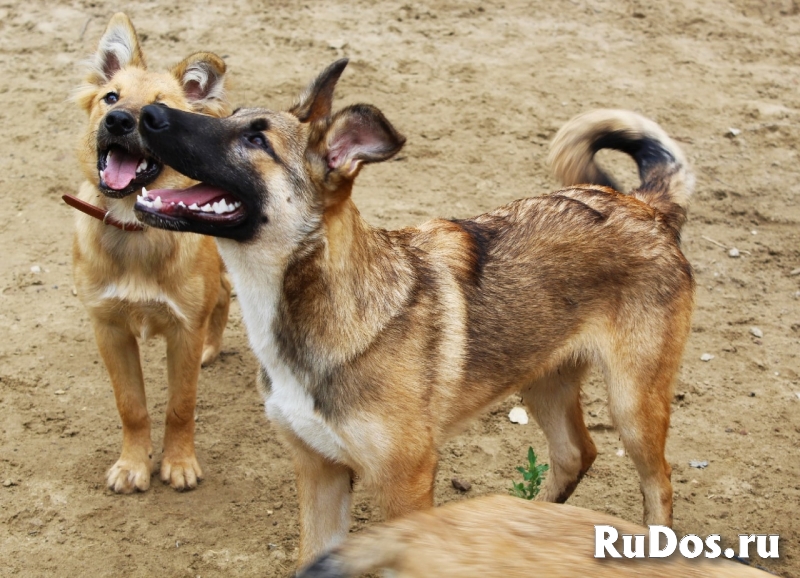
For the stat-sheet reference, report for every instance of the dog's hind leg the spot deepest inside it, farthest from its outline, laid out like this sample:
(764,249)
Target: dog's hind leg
(554,401)
(120,352)
(639,393)
(217,322)
(323,494)
(179,466)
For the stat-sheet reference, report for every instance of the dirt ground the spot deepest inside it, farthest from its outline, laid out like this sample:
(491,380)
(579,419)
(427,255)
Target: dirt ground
(479,88)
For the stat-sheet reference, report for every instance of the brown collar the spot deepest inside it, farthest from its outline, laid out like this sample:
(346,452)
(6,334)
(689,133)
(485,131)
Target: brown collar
(99,213)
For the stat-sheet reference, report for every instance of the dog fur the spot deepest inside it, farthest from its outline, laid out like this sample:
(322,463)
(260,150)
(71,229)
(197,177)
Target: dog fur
(137,284)
(504,537)
(377,345)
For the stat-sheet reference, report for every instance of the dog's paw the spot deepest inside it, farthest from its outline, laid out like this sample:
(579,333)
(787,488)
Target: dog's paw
(210,354)
(181,474)
(128,476)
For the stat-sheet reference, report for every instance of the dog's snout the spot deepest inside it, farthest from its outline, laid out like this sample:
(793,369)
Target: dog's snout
(154,118)
(120,122)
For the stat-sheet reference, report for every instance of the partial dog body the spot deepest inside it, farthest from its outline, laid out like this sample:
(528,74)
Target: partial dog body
(379,344)
(140,283)
(505,537)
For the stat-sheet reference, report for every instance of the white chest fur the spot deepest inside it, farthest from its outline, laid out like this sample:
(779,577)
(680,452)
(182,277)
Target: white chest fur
(257,279)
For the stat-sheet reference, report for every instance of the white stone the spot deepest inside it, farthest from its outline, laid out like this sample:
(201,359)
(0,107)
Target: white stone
(518,415)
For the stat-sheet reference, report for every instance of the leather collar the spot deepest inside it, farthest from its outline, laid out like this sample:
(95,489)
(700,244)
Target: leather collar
(100,214)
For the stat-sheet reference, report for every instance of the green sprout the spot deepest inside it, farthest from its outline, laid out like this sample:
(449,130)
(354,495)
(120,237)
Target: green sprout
(532,476)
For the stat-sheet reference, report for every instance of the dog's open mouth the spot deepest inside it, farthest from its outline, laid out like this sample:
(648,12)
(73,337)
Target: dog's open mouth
(123,172)
(200,203)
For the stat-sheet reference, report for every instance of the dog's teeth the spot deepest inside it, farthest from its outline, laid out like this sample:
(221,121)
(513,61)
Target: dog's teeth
(237,204)
(142,166)
(194,207)
(181,204)
(144,192)
(157,203)
(207,208)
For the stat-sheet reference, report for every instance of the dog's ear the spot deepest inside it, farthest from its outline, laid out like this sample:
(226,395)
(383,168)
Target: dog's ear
(202,76)
(119,47)
(359,134)
(316,100)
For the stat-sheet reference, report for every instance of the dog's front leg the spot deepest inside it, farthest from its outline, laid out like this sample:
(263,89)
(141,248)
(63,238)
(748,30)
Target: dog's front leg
(120,352)
(179,467)
(408,487)
(323,493)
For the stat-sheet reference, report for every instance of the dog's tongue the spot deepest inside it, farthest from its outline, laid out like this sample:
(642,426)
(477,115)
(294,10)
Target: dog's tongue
(120,169)
(199,194)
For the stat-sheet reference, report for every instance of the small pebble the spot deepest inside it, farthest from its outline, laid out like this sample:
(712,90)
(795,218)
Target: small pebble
(756,332)
(621,452)
(8,483)
(59,392)
(751,394)
(461,485)
(734,253)
(734,132)
(36,269)
(518,415)
(698,464)
(794,272)
(706,357)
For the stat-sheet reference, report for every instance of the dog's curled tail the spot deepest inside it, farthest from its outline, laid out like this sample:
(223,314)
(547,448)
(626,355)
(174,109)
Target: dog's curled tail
(667,182)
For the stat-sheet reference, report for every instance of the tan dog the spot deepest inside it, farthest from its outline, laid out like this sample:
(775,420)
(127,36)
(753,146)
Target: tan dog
(505,537)
(146,282)
(380,344)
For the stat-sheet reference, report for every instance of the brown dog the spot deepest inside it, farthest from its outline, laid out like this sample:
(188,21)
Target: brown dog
(379,344)
(505,537)
(136,283)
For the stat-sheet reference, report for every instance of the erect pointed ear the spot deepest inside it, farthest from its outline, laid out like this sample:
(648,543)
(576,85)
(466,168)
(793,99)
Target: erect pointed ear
(118,48)
(359,134)
(316,100)
(202,76)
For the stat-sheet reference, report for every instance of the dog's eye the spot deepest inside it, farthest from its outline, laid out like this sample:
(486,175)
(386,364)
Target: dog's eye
(257,140)
(260,141)
(111,98)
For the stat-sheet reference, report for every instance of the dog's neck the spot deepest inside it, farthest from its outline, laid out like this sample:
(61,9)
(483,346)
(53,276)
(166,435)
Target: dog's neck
(329,299)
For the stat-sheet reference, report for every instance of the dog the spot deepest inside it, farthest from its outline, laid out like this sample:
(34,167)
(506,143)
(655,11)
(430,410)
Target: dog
(379,344)
(139,281)
(502,537)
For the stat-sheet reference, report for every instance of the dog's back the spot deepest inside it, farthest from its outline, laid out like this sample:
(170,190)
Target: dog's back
(503,537)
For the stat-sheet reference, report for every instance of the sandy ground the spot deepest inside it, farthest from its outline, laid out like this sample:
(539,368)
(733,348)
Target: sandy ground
(479,88)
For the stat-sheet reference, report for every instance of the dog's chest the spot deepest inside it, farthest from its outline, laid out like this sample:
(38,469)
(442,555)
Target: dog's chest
(290,405)
(288,401)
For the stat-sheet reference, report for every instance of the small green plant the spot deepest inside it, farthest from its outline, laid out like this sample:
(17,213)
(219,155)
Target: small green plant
(532,476)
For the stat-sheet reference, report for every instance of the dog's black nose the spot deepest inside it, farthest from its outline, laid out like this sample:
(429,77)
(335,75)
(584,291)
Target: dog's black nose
(120,122)
(154,118)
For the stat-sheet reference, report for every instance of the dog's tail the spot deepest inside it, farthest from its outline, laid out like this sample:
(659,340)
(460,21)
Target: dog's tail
(666,180)
(368,551)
